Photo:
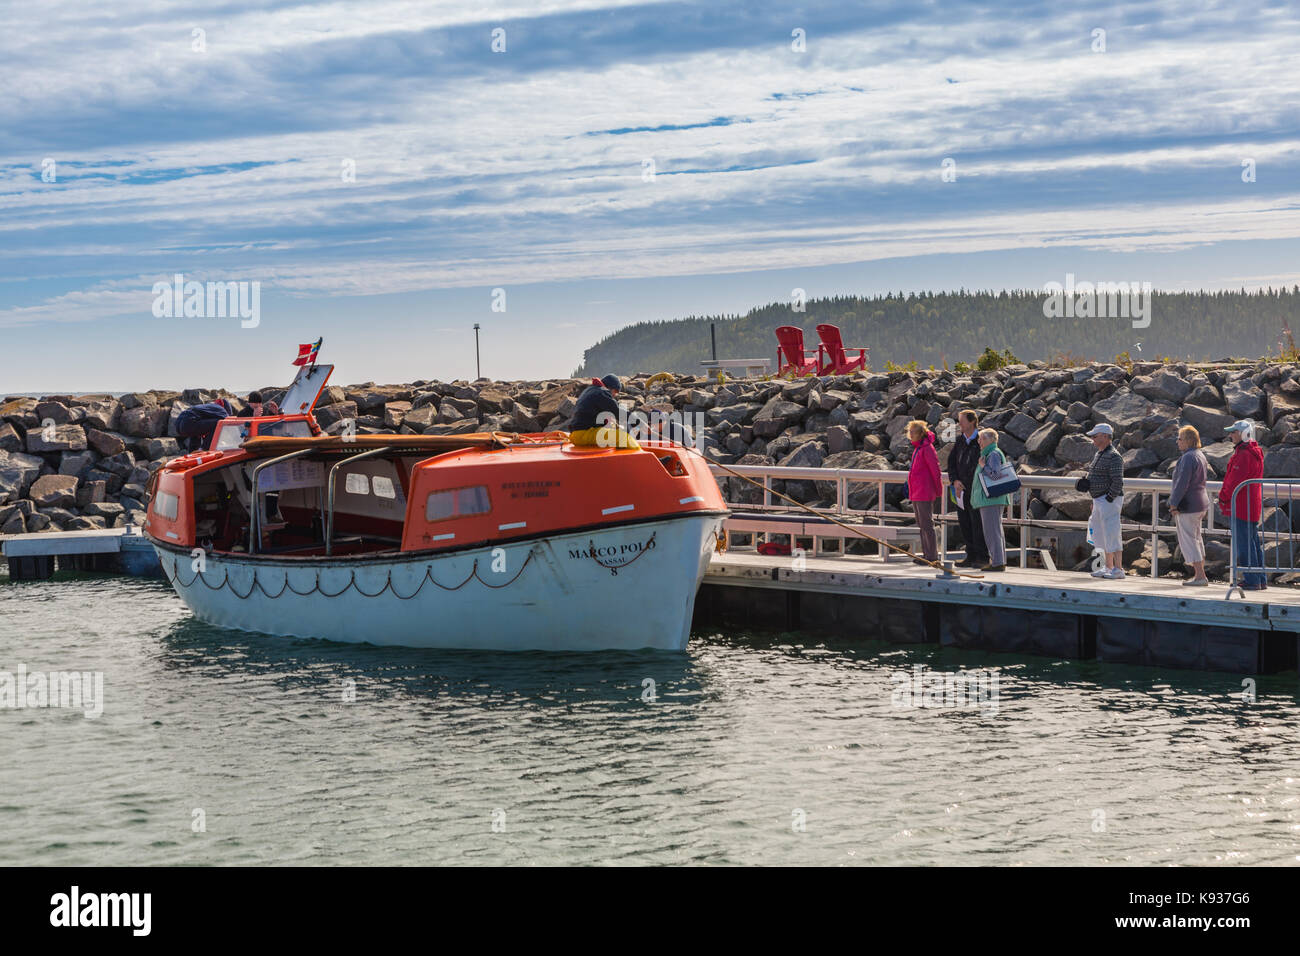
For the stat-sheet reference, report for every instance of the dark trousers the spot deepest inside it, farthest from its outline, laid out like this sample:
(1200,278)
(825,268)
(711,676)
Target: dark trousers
(924,511)
(1250,550)
(972,534)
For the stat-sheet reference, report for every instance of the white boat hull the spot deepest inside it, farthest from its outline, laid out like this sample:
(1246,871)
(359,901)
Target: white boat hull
(622,587)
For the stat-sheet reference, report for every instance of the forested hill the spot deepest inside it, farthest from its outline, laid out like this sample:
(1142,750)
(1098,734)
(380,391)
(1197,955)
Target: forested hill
(933,328)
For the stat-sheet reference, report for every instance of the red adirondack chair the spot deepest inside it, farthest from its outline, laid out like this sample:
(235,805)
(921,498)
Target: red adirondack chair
(791,356)
(837,362)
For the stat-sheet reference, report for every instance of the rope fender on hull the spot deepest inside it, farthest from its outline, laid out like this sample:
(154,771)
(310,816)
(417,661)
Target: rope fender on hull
(173,575)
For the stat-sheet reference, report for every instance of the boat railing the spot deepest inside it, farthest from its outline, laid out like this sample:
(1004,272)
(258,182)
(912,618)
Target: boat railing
(329,492)
(254,519)
(1021,518)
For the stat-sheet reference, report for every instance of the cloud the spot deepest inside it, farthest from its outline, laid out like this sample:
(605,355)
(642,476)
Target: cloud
(335,149)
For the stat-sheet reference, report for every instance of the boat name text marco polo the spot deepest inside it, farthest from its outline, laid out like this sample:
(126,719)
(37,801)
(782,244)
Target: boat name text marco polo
(612,555)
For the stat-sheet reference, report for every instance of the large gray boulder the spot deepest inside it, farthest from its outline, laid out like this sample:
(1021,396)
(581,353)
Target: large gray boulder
(1074,449)
(105,443)
(418,418)
(1021,425)
(107,510)
(1282,461)
(776,416)
(1164,440)
(1210,422)
(739,414)
(1244,399)
(805,455)
(145,421)
(1136,459)
(22,469)
(839,439)
(1161,386)
(104,415)
(1217,455)
(1281,404)
(338,412)
(76,463)
(1075,505)
(10,440)
(57,438)
(54,491)
(1124,411)
(1043,440)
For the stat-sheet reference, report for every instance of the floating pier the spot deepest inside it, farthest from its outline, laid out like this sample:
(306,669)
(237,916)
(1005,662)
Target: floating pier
(1053,613)
(34,556)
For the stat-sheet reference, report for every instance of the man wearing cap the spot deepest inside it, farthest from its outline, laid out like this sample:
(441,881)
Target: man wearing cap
(1105,482)
(1244,509)
(595,419)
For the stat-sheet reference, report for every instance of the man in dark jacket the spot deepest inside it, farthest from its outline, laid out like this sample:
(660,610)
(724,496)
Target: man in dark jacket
(195,425)
(595,420)
(962,462)
(256,407)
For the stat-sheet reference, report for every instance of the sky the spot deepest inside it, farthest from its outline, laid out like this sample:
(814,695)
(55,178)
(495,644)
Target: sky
(390,173)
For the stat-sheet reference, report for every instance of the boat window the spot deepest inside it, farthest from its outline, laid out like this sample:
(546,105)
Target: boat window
(357,484)
(382,486)
(231,436)
(165,505)
(289,429)
(457,503)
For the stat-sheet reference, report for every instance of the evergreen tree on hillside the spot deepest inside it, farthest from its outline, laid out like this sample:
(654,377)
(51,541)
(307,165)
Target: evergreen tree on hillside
(933,328)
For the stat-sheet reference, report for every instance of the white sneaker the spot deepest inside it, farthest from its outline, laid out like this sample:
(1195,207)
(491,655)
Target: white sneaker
(1100,574)
(1115,574)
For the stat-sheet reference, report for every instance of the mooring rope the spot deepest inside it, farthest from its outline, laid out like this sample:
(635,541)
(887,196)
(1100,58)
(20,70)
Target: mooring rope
(174,575)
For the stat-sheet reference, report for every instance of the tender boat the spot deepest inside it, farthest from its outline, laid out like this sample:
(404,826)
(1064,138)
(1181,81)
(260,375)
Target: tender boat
(495,541)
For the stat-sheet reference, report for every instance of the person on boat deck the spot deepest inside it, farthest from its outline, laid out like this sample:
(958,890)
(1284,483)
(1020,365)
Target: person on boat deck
(256,407)
(195,425)
(589,428)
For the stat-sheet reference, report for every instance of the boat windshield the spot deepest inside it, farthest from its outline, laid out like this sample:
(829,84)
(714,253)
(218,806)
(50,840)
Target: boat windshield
(230,436)
(285,429)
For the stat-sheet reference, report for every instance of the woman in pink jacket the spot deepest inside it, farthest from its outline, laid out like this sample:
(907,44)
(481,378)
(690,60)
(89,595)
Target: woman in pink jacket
(924,485)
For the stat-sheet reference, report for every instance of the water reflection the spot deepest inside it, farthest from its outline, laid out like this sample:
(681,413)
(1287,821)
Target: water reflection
(609,680)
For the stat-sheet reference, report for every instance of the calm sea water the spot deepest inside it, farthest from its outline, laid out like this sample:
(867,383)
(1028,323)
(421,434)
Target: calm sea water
(465,758)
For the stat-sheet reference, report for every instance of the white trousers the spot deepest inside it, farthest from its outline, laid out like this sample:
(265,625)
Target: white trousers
(1189,535)
(1104,524)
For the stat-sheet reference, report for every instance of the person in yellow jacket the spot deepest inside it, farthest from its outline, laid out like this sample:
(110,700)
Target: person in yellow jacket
(600,397)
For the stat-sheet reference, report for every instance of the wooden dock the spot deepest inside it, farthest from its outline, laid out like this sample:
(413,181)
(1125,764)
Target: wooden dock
(1056,613)
(34,556)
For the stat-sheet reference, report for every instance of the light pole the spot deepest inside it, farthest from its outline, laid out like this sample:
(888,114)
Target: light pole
(478,371)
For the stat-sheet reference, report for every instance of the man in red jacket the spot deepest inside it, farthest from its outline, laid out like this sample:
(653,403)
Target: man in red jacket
(1244,509)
